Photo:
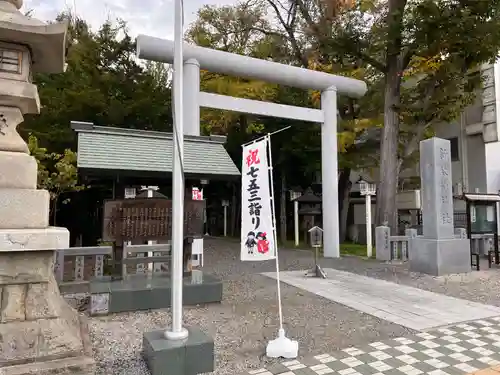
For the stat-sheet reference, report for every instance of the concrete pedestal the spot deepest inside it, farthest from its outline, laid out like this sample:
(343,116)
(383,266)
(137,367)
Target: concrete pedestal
(39,332)
(138,292)
(191,356)
(440,257)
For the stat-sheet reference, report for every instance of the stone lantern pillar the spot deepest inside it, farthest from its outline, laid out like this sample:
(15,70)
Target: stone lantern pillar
(39,332)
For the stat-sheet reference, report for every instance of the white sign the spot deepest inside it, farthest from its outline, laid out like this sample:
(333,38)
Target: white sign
(408,200)
(130,193)
(197,195)
(490,213)
(257,231)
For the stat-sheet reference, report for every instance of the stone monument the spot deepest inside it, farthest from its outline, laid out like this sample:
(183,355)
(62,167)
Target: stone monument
(39,332)
(438,251)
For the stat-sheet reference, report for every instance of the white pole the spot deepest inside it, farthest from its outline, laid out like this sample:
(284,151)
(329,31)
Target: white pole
(329,173)
(296,221)
(177,332)
(275,237)
(150,253)
(368,199)
(225,221)
(191,76)
(126,243)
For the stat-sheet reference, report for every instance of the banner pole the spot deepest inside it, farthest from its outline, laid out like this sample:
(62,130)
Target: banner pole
(264,136)
(281,346)
(275,237)
(177,331)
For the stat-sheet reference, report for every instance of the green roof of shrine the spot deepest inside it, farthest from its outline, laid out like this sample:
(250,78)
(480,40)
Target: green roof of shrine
(117,149)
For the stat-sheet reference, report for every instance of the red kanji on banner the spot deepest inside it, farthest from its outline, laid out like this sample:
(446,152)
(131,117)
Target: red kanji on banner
(253,157)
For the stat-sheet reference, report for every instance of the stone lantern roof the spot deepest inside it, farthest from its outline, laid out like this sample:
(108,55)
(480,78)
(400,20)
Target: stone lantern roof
(47,42)
(309,197)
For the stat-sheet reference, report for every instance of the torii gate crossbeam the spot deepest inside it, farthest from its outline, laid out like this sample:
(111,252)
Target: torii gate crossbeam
(196,58)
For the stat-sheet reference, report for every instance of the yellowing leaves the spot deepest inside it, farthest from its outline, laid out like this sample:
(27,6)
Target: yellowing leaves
(217,121)
(352,130)
(345,140)
(314,64)
(334,7)
(422,66)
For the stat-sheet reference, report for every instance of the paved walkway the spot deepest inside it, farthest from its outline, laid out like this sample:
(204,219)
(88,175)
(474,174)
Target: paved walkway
(489,371)
(404,305)
(457,350)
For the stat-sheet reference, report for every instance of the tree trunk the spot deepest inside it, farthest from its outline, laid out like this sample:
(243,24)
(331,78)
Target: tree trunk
(283,233)
(344,192)
(386,199)
(54,211)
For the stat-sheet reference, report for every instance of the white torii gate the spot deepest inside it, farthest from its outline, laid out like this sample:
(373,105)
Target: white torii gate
(196,58)
(193,59)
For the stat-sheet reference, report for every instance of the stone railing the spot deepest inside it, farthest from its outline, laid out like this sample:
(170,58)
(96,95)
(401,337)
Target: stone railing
(140,259)
(399,247)
(76,266)
(393,247)
(390,248)
(482,244)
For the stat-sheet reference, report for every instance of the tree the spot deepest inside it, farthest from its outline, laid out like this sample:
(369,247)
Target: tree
(245,29)
(230,29)
(421,53)
(57,173)
(104,84)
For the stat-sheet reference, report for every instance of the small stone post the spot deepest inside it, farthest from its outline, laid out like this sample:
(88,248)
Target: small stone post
(460,233)
(438,252)
(382,243)
(39,332)
(411,234)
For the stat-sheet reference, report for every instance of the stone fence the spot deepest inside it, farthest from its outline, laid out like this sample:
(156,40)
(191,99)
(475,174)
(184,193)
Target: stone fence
(398,247)
(76,266)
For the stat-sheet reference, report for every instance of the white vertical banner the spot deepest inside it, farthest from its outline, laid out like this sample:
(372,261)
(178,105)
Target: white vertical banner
(257,224)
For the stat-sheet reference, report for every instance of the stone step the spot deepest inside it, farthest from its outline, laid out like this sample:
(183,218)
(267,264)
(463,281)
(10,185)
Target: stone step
(17,171)
(24,208)
(51,238)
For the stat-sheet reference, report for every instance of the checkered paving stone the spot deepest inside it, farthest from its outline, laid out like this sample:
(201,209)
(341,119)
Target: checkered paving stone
(456,350)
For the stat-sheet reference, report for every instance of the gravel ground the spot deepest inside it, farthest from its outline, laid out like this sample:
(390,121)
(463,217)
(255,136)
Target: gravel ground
(247,317)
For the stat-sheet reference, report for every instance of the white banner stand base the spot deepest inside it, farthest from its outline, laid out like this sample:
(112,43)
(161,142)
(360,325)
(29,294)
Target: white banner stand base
(282,347)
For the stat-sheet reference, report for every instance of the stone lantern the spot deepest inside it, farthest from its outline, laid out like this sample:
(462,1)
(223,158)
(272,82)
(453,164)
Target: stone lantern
(39,332)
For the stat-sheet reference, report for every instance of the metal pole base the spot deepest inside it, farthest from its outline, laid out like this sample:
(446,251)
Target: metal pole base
(317,271)
(170,335)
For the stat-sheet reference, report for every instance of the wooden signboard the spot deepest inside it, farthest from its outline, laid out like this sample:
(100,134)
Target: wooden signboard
(148,219)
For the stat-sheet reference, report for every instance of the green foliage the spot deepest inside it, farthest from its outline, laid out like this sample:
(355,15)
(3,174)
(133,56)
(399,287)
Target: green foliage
(420,54)
(57,173)
(246,29)
(104,84)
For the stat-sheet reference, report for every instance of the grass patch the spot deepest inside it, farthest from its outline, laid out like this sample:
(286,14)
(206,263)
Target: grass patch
(354,249)
(347,248)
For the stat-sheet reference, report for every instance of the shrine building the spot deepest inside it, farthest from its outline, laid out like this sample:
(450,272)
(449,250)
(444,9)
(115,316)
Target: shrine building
(117,163)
